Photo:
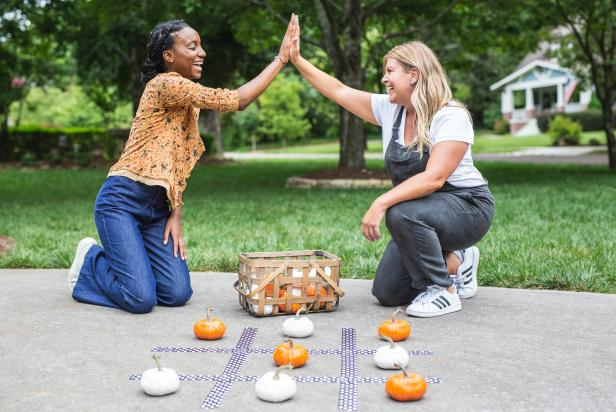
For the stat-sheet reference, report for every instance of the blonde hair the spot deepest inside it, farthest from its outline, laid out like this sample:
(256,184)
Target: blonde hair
(431,92)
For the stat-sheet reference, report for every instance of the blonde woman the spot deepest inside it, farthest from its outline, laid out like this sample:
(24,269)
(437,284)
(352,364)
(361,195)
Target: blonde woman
(440,205)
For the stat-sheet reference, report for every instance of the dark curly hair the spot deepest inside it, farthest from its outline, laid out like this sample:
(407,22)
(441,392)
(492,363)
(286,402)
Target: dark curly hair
(160,39)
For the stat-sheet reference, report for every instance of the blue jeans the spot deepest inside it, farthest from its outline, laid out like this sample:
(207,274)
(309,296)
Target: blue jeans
(134,270)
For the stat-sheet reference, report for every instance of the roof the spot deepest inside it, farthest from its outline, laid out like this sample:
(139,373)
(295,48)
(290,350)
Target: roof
(525,69)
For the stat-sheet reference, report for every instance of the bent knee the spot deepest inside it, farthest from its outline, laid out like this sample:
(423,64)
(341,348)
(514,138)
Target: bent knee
(143,305)
(176,297)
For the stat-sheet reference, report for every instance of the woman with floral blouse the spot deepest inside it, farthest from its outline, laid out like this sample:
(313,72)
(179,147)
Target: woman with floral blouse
(137,267)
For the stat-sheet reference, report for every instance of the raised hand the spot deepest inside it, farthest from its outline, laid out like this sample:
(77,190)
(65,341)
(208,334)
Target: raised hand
(287,40)
(294,52)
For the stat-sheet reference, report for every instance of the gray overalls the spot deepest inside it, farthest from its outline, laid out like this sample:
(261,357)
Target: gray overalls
(424,230)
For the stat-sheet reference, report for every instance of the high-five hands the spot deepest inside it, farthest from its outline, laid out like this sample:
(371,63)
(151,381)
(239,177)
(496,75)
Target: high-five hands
(287,40)
(294,52)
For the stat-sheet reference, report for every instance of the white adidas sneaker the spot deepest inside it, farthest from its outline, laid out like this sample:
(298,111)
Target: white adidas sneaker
(435,301)
(82,249)
(466,276)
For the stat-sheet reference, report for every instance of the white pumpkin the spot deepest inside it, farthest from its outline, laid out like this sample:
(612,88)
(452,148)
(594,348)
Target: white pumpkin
(390,356)
(276,386)
(313,272)
(267,309)
(159,381)
(298,327)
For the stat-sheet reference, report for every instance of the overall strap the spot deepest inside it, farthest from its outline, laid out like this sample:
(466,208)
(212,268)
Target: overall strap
(396,127)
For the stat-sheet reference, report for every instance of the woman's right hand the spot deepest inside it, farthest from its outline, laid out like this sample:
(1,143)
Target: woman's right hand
(294,52)
(287,40)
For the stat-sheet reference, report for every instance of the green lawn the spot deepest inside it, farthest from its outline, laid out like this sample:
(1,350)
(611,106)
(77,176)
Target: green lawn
(485,142)
(554,225)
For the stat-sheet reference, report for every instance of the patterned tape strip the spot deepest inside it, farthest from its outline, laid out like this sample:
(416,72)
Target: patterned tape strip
(299,379)
(348,397)
(265,350)
(219,391)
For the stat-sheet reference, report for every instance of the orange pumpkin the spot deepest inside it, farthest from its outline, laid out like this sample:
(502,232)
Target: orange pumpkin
(396,329)
(312,291)
(283,306)
(406,386)
(289,353)
(209,328)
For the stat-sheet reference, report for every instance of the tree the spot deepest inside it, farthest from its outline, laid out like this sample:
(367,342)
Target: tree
(29,54)
(592,40)
(281,115)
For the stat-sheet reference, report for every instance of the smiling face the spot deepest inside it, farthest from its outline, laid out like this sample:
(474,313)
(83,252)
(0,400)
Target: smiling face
(186,56)
(399,82)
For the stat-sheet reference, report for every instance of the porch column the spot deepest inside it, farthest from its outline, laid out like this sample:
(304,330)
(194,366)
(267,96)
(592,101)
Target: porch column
(530,104)
(560,100)
(507,103)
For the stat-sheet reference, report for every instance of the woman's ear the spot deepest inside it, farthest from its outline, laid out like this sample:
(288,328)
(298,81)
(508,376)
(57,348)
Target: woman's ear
(168,56)
(414,75)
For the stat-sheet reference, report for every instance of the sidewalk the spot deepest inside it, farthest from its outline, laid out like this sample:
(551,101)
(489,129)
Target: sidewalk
(540,155)
(507,350)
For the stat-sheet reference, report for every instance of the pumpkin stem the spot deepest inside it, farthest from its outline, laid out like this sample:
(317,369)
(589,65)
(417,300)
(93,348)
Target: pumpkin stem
(279,369)
(393,317)
(406,375)
(290,342)
(156,359)
(207,316)
(297,313)
(388,339)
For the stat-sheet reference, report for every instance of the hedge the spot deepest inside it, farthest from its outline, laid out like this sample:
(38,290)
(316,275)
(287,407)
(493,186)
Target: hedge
(56,145)
(590,120)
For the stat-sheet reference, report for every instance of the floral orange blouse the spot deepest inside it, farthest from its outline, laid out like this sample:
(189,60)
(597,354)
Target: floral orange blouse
(164,142)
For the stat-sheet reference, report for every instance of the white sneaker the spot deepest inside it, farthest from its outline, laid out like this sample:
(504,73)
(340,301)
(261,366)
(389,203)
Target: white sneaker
(82,248)
(466,276)
(435,301)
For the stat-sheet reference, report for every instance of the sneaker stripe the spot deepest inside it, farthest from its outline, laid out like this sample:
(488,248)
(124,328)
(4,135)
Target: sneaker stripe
(439,300)
(468,269)
(437,304)
(446,301)
(468,281)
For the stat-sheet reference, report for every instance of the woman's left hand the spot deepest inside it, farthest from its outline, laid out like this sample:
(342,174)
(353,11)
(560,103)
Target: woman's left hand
(174,227)
(370,224)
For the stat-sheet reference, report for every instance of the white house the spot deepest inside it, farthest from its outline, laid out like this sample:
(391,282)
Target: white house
(538,86)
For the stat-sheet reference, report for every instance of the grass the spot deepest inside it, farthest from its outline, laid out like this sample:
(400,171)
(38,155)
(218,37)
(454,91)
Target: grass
(553,229)
(485,142)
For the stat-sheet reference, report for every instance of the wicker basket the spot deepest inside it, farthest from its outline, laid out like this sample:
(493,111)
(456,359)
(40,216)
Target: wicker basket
(279,283)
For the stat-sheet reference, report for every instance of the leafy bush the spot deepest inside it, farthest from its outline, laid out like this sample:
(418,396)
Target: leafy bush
(501,126)
(590,120)
(281,115)
(81,145)
(565,131)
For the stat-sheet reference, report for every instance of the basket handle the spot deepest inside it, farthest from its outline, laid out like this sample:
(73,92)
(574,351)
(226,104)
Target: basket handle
(331,283)
(268,279)
(236,286)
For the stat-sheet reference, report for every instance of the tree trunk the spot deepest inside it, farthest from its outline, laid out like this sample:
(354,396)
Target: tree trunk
(5,146)
(352,138)
(137,56)
(209,120)
(608,126)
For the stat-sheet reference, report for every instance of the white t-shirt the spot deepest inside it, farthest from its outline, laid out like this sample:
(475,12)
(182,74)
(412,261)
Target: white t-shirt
(449,123)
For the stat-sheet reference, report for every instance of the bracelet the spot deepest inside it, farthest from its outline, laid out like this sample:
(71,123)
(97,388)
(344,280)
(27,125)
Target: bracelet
(281,60)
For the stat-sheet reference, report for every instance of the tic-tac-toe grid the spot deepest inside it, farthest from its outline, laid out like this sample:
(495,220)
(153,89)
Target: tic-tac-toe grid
(349,378)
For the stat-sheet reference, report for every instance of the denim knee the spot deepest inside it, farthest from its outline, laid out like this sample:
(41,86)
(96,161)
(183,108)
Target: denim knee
(177,296)
(145,304)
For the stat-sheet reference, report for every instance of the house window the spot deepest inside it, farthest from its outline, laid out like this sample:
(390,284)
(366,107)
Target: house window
(519,99)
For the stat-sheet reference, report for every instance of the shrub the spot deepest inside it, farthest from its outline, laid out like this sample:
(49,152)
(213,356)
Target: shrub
(501,126)
(565,131)
(590,120)
(81,145)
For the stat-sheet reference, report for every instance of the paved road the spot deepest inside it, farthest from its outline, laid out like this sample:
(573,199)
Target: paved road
(539,155)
